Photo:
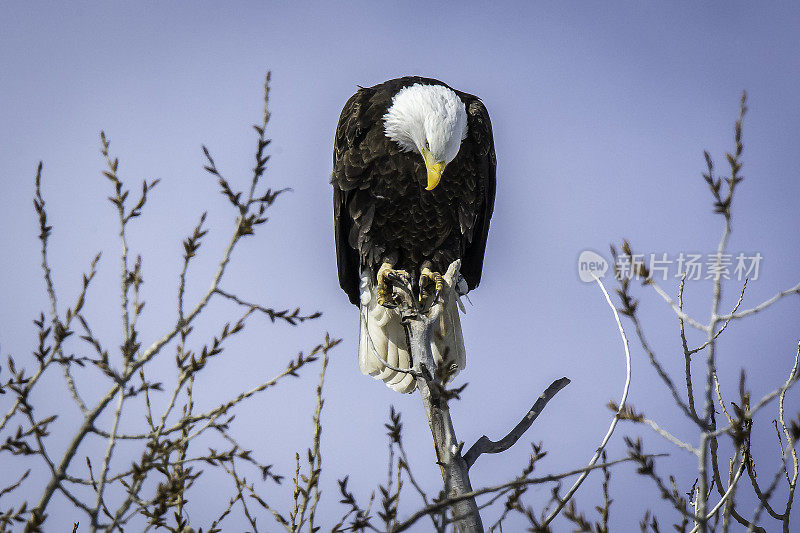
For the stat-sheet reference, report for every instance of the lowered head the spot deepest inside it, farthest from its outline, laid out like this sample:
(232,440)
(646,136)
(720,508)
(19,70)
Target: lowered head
(430,120)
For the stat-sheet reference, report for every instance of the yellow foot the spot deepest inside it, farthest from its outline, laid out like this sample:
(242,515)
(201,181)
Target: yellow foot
(387,279)
(430,280)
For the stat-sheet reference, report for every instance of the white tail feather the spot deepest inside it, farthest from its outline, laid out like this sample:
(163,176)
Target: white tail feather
(382,338)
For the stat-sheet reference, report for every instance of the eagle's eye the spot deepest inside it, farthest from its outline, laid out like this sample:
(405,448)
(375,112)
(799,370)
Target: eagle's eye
(427,145)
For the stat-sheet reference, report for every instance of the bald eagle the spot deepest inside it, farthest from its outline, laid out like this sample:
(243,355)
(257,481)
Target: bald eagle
(413,192)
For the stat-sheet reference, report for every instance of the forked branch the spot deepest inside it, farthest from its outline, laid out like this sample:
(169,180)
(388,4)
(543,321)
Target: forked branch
(420,321)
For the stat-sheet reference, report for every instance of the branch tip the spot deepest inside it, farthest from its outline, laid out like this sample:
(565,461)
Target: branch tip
(486,445)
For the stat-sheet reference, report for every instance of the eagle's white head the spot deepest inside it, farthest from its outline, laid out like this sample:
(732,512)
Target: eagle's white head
(430,120)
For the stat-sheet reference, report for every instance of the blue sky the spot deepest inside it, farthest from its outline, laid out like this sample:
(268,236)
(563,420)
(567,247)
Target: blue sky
(600,111)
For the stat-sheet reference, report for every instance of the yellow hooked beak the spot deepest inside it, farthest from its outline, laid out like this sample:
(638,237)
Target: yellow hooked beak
(435,169)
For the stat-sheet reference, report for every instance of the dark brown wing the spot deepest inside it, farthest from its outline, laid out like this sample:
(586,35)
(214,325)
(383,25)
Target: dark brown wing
(479,135)
(349,133)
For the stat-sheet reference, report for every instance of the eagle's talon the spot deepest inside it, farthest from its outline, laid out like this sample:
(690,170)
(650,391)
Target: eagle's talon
(428,277)
(388,303)
(399,277)
(388,278)
(385,294)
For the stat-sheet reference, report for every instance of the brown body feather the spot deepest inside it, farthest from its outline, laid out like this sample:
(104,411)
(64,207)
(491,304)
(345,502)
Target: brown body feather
(381,208)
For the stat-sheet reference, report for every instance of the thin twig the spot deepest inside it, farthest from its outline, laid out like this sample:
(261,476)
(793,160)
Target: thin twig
(724,499)
(443,504)
(670,437)
(614,421)
(763,305)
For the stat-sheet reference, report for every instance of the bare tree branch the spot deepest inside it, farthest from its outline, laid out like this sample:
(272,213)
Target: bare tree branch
(486,445)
